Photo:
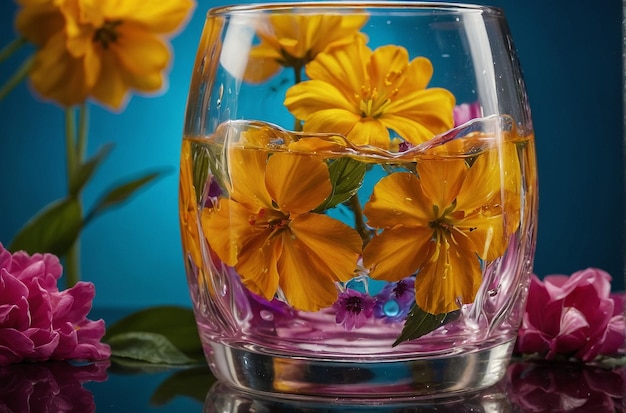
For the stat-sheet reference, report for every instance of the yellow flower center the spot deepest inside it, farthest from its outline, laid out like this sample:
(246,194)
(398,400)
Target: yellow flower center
(372,103)
(106,34)
(272,219)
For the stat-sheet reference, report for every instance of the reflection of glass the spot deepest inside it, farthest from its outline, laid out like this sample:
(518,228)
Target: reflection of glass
(571,388)
(224,399)
(358,197)
(49,387)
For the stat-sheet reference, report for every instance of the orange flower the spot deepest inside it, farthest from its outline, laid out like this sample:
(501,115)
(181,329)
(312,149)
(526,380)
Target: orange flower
(289,40)
(267,232)
(362,94)
(99,48)
(188,207)
(440,222)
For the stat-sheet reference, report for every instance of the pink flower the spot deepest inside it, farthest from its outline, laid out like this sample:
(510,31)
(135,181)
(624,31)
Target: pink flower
(50,387)
(571,388)
(572,316)
(39,322)
(353,308)
(465,112)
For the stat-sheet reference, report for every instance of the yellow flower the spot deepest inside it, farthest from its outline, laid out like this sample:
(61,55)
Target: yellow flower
(188,207)
(361,94)
(103,49)
(289,40)
(439,222)
(267,232)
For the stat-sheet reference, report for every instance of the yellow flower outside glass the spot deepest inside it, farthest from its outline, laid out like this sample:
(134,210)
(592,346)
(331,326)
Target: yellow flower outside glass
(361,233)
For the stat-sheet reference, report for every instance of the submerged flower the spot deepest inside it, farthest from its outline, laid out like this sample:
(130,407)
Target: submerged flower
(290,40)
(188,207)
(39,322)
(353,308)
(572,316)
(266,229)
(361,94)
(101,49)
(395,300)
(441,223)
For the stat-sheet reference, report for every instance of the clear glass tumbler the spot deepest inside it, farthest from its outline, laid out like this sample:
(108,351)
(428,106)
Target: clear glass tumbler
(358,197)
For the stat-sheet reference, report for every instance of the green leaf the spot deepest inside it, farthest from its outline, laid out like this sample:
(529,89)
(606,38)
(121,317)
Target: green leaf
(419,323)
(85,171)
(53,229)
(202,161)
(176,324)
(193,382)
(120,193)
(149,347)
(346,176)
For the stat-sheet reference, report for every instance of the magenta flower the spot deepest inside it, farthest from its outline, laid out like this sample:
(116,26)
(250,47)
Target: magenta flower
(572,316)
(465,112)
(571,388)
(353,308)
(39,322)
(49,387)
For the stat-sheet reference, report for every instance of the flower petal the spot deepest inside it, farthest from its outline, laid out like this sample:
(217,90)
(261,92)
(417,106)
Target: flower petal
(397,253)
(305,288)
(441,180)
(398,199)
(450,278)
(332,246)
(297,183)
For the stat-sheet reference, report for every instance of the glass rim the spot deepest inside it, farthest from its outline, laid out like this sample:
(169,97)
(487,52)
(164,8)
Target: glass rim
(396,6)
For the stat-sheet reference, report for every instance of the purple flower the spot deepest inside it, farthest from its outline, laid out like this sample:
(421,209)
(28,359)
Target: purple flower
(353,308)
(395,300)
(465,112)
(39,322)
(572,316)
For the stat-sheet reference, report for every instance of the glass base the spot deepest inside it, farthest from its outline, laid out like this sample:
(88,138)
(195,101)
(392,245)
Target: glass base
(296,377)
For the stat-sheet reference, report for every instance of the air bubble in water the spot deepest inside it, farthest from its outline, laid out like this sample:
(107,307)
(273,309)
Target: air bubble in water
(267,315)
(391,308)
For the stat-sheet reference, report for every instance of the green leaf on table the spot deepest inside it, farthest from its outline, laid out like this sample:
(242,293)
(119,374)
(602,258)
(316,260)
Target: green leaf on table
(120,193)
(176,325)
(346,176)
(85,171)
(53,229)
(149,347)
(419,323)
(193,382)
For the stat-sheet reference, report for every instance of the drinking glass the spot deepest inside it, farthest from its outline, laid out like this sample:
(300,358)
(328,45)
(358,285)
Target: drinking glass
(358,197)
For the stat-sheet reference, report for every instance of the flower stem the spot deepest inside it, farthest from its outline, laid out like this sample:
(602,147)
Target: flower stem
(17,77)
(75,143)
(359,223)
(11,48)
(297,79)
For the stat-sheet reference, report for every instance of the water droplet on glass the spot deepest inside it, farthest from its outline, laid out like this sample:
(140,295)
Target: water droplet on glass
(266,315)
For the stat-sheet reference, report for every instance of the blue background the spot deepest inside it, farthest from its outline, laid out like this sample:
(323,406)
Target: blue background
(571,56)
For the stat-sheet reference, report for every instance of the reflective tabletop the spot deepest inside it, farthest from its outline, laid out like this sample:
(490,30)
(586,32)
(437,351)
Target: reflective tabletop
(123,386)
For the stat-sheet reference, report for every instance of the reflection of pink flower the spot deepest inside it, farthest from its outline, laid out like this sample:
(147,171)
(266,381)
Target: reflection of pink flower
(571,388)
(49,387)
(353,308)
(465,112)
(39,322)
(572,316)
